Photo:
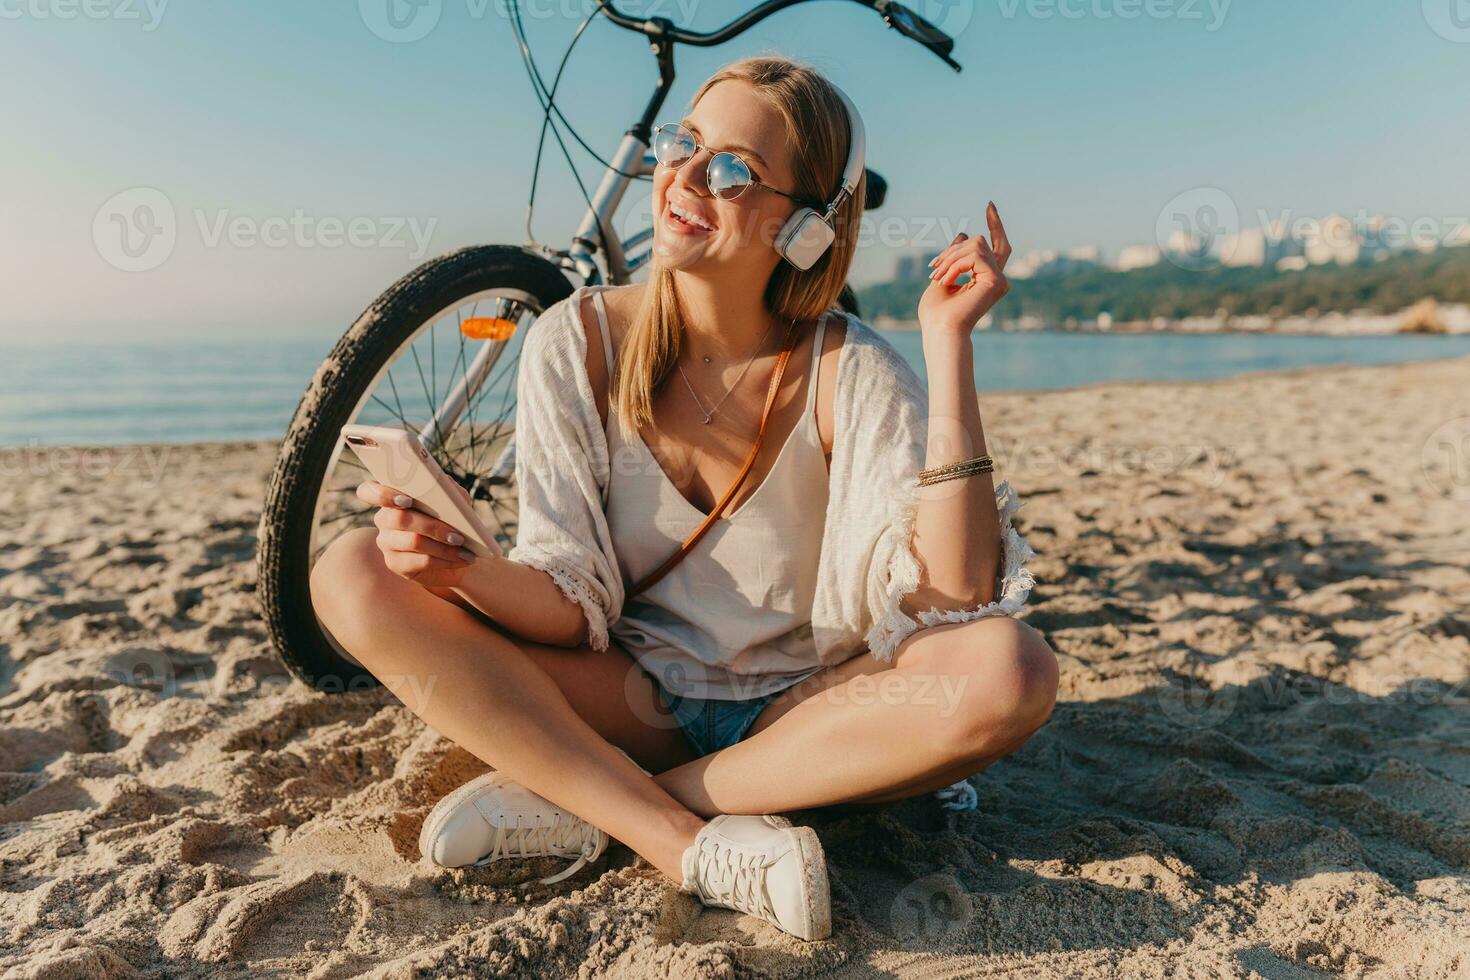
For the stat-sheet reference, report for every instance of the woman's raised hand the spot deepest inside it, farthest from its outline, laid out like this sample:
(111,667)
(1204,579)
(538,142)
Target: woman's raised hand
(418,547)
(947,309)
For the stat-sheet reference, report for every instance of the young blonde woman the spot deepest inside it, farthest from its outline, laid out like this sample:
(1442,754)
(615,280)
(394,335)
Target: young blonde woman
(843,632)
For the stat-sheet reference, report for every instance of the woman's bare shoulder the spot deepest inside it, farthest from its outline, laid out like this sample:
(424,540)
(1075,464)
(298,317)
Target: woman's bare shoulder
(621,302)
(832,341)
(622,305)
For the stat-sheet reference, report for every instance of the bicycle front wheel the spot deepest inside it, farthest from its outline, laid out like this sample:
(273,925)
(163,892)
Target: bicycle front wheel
(438,354)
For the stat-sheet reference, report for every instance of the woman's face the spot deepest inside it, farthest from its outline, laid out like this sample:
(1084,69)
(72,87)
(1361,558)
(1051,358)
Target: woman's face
(730,116)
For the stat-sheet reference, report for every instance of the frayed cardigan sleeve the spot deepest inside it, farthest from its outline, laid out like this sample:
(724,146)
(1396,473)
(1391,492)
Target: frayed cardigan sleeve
(562,470)
(882,421)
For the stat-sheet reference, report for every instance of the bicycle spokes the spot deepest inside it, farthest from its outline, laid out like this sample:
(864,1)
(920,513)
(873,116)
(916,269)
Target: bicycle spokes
(453,385)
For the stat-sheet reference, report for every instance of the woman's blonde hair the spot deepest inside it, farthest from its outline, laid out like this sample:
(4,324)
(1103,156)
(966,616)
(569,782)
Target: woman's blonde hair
(818,129)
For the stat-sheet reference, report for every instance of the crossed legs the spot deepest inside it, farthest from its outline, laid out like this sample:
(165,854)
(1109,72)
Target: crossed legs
(955,699)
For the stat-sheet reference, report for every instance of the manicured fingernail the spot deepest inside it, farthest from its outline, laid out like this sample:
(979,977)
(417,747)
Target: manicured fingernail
(403,500)
(466,554)
(934,274)
(455,538)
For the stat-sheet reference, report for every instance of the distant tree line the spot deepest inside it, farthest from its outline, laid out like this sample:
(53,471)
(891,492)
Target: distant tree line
(1165,290)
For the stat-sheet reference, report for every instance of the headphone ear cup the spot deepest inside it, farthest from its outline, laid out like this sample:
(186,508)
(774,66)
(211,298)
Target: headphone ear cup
(804,238)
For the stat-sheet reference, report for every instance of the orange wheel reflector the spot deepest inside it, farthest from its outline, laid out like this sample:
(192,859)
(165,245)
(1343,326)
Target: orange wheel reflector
(488,328)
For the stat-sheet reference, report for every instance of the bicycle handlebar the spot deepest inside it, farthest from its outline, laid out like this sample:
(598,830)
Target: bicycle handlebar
(911,25)
(894,14)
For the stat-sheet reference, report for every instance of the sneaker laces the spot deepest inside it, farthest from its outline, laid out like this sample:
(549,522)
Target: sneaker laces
(561,838)
(737,878)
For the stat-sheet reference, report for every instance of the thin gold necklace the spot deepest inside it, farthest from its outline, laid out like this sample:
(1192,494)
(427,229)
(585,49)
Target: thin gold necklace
(711,413)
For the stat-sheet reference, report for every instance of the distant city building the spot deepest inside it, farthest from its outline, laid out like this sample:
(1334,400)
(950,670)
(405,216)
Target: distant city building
(1048,262)
(1026,265)
(1259,247)
(1185,248)
(1138,257)
(912,265)
(1375,240)
(1334,239)
(1248,248)
(1307,242)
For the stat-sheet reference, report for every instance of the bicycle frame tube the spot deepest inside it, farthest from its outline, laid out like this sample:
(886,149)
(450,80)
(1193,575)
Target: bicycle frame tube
(632,157)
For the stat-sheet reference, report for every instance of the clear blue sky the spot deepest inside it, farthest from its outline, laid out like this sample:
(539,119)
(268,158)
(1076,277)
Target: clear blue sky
(1080,126)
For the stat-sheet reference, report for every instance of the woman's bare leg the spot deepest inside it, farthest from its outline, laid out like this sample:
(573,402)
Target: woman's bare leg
(956,698)
(495,697)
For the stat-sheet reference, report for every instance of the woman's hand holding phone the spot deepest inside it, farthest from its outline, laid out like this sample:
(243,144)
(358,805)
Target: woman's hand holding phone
(416,546)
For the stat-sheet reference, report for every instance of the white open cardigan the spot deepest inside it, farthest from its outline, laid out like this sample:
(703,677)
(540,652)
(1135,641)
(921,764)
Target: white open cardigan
(866,566)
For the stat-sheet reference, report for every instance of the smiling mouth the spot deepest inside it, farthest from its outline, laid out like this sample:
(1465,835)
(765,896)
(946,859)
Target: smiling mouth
(690,225)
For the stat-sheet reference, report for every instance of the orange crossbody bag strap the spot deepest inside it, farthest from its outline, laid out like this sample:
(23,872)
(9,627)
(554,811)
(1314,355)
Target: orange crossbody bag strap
(714,515)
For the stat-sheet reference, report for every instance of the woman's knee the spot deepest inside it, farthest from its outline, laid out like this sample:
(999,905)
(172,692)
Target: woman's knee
(1007,675)
(349,579)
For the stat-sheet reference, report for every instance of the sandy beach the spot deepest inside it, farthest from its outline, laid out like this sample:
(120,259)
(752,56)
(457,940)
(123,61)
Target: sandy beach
(1259,763)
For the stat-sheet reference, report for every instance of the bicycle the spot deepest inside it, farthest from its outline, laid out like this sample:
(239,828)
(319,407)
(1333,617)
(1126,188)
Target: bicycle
(484,297)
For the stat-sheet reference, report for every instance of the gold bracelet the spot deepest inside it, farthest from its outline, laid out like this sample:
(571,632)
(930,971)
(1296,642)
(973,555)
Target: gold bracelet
(981,461)
(959,464)
(950,471)
(929,481)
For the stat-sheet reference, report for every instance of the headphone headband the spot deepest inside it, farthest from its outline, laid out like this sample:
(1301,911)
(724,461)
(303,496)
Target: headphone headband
(856,150)
(808,233)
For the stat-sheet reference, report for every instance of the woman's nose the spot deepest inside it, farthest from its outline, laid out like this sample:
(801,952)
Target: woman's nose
(693,175)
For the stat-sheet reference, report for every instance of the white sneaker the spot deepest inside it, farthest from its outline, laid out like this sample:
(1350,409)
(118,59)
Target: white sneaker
(765,867)
(493,818)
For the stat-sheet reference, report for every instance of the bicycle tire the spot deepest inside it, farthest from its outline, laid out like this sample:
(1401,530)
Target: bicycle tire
(283,557)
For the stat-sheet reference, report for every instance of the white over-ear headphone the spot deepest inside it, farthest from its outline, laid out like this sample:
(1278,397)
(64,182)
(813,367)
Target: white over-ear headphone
(807,234)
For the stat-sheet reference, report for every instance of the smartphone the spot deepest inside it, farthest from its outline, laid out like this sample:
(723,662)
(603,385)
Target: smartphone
(397,459)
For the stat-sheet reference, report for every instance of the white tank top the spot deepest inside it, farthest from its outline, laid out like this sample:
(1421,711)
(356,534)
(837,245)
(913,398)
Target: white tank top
(732,620)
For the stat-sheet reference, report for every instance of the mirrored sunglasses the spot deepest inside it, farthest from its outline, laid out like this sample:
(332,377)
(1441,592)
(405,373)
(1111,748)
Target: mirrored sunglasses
(727,175)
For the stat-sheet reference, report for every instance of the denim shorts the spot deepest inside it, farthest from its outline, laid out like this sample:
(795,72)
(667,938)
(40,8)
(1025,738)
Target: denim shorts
(712,725)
